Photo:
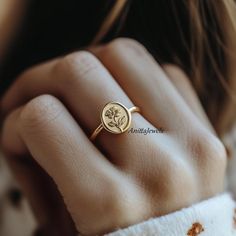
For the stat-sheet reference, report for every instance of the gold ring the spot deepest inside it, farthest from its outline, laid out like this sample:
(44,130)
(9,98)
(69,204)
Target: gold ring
(115,118)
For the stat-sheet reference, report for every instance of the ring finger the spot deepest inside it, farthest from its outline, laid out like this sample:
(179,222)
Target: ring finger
(84,86)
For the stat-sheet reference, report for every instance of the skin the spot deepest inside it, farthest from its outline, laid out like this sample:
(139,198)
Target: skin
(119,180)
(11,12)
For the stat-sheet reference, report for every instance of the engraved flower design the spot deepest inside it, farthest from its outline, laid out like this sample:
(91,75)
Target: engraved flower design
(112,112)
(117,120)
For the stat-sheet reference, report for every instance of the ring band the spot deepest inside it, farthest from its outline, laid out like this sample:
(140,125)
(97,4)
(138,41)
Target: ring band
(115,118)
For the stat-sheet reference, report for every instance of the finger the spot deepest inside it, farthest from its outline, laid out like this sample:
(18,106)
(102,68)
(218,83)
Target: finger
(61,148)
(84,86)
(182,83)
(145,82)
(77,80)
(49,209)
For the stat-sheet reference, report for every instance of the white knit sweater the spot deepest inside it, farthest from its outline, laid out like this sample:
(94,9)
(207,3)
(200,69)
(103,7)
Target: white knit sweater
(214,217)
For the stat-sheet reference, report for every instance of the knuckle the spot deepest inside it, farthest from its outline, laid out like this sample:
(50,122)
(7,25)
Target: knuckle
(180,177)
(175,72)
(170,175)
(173,68)
(217,149)
(122,196)
(120,44)
(211,148)
(103,198)
(212,159)
(126,42)
(73,67)
(27,73)
(110,200)
(39,111)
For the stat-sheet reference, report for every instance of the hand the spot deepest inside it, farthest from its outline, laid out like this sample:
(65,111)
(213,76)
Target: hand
(119,180)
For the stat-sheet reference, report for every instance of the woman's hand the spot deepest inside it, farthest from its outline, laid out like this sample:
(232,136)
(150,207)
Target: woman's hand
(120,180)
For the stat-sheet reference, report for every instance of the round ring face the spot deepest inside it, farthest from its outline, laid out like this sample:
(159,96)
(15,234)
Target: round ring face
(115,117)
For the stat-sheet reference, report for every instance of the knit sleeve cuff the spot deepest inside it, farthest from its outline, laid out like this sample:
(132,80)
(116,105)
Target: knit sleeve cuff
(215,216)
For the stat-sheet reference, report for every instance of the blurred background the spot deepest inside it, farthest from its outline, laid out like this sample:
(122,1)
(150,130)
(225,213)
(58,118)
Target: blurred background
(36,30)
